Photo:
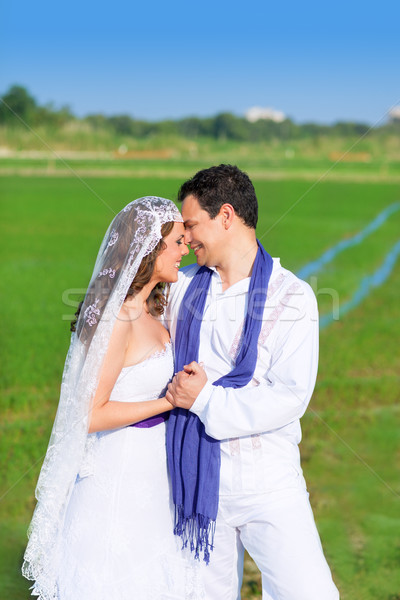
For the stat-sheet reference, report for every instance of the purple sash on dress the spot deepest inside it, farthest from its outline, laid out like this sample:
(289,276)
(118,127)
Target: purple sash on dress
(151,421)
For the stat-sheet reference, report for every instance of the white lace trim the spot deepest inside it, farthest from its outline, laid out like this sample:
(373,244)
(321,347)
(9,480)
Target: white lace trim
(113,238)
(91,313)
(157,354)
(110,272)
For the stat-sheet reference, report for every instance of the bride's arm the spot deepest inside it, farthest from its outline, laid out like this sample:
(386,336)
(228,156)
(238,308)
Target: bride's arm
(112,415)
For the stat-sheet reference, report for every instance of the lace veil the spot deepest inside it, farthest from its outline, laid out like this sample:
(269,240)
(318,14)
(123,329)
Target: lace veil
(133,234)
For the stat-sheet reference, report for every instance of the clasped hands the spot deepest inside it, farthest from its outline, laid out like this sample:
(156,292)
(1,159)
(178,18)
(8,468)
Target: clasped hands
(186,385)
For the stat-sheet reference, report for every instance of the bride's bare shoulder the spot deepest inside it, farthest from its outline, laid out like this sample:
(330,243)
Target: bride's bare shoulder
(123,323)
(128,316)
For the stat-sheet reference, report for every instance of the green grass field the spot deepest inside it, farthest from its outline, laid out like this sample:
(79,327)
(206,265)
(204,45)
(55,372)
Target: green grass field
(51,228)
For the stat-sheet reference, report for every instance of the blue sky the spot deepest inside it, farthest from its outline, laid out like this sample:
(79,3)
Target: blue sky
(314,61)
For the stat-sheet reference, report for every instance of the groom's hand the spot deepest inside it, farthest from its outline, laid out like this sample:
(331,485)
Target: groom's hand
(186,385)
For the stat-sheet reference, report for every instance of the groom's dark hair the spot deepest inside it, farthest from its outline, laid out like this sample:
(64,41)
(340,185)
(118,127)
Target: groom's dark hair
(223,184)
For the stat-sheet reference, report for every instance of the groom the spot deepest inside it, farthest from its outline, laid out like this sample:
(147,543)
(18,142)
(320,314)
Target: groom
(233,438)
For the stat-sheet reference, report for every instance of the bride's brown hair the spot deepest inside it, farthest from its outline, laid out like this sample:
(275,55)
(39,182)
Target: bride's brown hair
(158,298)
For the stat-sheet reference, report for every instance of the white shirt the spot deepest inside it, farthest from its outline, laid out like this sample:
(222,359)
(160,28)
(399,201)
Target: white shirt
(258,424)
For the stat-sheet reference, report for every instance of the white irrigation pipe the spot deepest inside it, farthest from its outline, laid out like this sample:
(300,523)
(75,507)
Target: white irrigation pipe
(313,267)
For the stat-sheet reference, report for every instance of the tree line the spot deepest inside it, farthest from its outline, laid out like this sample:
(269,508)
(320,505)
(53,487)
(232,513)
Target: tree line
(18,107)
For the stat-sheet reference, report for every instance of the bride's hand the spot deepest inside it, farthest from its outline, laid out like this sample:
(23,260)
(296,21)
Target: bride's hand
(186,385)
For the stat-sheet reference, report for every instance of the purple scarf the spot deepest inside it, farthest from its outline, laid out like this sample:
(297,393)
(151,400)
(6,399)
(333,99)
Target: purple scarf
(193,456)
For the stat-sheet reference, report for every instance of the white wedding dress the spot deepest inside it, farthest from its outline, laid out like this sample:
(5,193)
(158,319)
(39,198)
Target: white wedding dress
(118,541)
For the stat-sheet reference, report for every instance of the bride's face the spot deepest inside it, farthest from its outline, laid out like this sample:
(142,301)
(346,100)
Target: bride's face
(167,263)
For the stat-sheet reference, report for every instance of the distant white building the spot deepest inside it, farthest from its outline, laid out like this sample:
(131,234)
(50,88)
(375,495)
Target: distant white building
(255,113)
(394,113)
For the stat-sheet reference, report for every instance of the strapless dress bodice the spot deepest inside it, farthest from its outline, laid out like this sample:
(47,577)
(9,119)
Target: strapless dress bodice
(145,380)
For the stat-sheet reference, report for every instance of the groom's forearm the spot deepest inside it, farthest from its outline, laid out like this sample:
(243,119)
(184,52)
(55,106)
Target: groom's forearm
(281,397)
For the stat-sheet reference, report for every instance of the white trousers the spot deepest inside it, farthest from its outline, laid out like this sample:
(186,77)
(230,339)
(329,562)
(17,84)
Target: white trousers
(278,531)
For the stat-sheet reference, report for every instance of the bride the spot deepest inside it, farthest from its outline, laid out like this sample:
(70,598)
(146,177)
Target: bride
(103,527)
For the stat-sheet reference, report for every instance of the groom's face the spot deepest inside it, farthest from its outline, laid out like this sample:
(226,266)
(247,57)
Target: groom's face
(205,235)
